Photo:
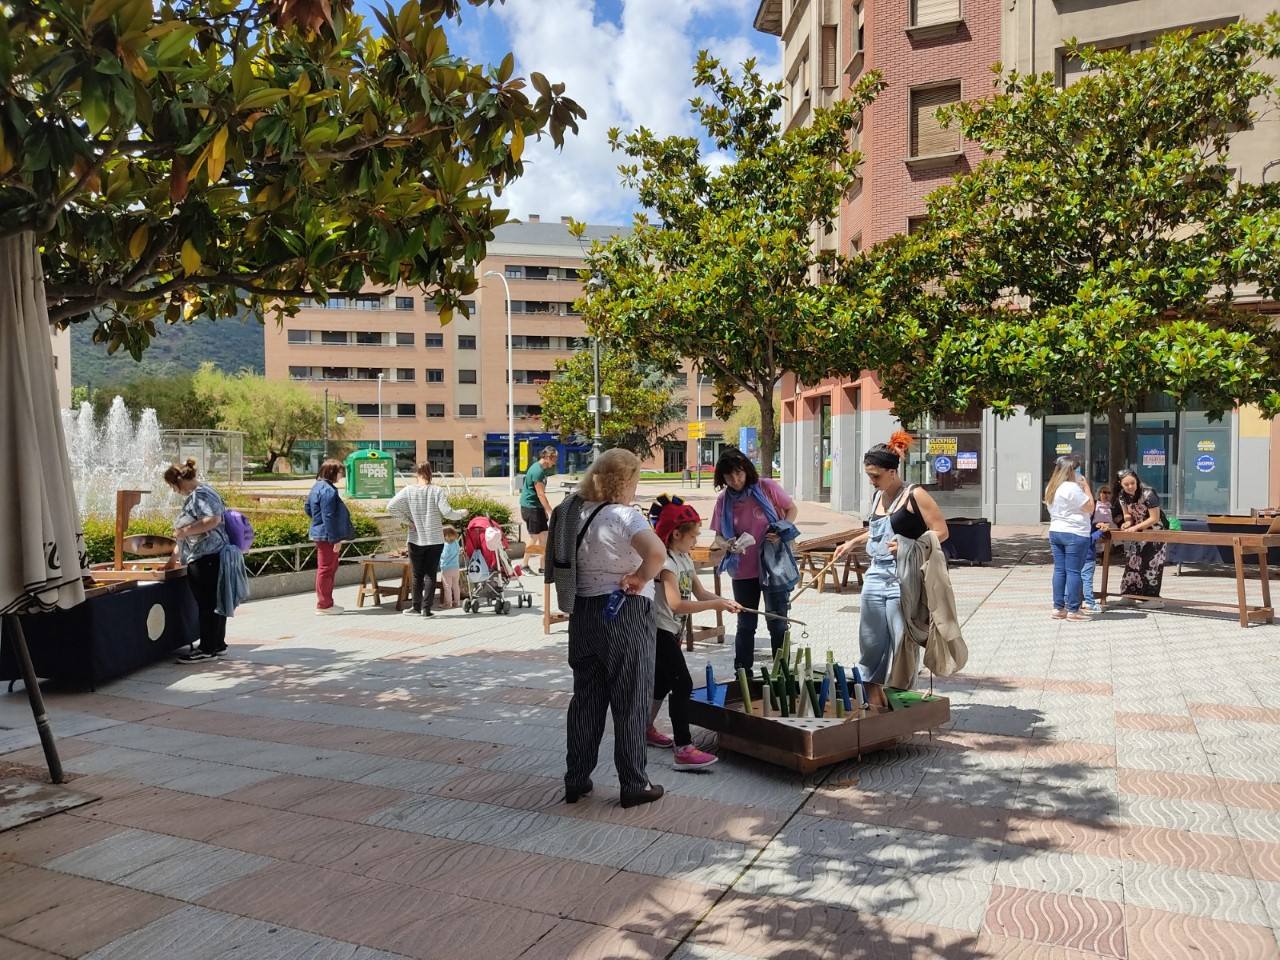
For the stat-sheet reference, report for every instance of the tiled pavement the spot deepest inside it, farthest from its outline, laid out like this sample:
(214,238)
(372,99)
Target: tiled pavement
(371,786)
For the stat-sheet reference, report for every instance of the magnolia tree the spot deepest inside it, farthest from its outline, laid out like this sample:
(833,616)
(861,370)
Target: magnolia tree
(726,266)
(203,157)
(1105,251)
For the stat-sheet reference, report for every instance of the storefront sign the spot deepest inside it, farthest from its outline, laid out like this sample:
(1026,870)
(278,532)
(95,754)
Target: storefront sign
(941,465)
(941,445)
(1206,463)
(1206,446)
(967,460)
(1062,449)
(1154,457)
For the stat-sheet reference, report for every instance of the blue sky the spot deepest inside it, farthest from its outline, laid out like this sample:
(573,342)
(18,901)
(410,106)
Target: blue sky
(628,62)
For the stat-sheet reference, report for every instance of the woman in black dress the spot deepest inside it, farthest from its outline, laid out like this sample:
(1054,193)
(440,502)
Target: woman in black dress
(1139,509)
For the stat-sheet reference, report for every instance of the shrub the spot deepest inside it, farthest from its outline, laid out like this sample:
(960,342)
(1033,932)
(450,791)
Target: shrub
(100,534)
(478,505)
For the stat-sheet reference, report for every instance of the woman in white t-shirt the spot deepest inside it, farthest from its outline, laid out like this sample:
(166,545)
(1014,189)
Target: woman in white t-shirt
(1070,503)
(611,651)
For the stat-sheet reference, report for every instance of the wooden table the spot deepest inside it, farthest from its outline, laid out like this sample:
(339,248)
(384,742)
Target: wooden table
(370,584)
(813,558)
(702,560)
(1241,544)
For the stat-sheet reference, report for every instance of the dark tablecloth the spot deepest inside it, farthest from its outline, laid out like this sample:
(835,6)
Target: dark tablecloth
(969,539)
(1196,554)
(107,636)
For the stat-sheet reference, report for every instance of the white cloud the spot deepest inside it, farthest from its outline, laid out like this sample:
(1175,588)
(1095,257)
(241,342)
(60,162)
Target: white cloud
(632,73)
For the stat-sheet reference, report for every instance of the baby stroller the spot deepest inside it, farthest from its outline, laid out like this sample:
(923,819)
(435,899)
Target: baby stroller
(490,572)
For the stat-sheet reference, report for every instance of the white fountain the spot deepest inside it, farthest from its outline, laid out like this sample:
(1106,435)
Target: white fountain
(118,455)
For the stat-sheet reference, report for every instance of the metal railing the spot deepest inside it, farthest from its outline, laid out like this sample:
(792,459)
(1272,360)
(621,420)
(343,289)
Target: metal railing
(298,557)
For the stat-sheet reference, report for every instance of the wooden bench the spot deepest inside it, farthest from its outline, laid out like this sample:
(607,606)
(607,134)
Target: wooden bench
(813,557)
(1241,545)
(371,585)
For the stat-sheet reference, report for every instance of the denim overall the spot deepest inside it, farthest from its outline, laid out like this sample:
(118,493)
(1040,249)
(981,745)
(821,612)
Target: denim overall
(881,628)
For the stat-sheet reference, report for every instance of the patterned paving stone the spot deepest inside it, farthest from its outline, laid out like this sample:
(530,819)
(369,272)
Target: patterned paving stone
(1080,923)
(572,940)
(603,843)
(1159,935)
(1194,892)
(1056,872)
(716,863)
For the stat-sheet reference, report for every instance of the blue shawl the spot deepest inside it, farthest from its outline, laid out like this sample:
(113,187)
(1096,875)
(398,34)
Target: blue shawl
(732,498)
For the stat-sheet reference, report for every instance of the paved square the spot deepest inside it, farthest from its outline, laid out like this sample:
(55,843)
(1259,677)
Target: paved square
(370,786)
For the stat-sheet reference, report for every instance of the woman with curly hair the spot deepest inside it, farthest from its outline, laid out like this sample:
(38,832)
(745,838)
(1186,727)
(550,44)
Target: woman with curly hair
(898,510)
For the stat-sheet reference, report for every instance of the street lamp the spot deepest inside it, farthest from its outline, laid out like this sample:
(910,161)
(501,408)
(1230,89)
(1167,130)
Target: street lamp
(326,424)
(697,444)
(595,285)
(511,391)
(380,376)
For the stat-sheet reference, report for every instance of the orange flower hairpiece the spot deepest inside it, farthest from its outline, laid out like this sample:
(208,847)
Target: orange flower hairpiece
(900,442)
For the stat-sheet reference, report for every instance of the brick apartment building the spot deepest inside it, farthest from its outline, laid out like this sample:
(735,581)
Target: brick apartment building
(444,388)
(934,52)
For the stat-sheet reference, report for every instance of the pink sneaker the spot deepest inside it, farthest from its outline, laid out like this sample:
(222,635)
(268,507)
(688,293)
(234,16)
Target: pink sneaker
(691,758)
(656,738)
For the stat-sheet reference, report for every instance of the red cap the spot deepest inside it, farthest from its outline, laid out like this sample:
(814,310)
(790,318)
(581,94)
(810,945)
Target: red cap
(674,515)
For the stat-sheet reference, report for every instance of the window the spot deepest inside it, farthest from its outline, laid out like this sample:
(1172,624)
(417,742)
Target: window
(466,376)
(470,307)
(367,301)
(577,343)
(366,409)
(859,19)
(433,410)
(435,375)
(404,303)
(299,336)
(466,341)
(333,336)
(405,410)
(368,339)
(707,412)
(440,455)
(531,376)
(569,273)
(467,410)
(926,13)
(928,137)
(404,373)
(514,272)
(299,373)
(537,273)
(830,54)
(536,306)
(855,242)
(527,411)
(335,373)
(433,340)
(798,84)
(571,310)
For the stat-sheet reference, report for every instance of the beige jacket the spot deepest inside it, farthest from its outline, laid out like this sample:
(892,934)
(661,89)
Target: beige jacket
(929,612)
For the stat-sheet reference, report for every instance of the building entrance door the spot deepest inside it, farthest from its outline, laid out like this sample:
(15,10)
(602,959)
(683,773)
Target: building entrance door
(673,457)
(1157,442)
(824,451)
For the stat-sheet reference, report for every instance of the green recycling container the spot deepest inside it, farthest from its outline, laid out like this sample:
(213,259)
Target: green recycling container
(371,475)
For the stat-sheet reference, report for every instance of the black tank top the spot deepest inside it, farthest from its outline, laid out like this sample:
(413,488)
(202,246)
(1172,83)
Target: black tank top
(904,522)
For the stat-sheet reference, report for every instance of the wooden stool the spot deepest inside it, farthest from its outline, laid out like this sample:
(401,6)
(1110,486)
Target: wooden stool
(369,583)
(701,560)
(550,615)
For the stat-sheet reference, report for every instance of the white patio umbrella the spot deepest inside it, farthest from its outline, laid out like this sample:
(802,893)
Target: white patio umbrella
(42,556)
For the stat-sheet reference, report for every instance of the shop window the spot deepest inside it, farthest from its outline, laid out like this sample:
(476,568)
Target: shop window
(440,455)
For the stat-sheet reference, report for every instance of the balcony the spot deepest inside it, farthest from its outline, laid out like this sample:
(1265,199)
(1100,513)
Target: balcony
(769,17)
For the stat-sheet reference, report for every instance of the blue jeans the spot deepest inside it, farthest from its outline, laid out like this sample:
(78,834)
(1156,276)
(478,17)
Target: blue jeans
(1069,552)
(1086,574)
(748,593)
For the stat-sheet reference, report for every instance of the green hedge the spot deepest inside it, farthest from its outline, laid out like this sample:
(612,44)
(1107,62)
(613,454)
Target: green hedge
(478,505)
(100,534)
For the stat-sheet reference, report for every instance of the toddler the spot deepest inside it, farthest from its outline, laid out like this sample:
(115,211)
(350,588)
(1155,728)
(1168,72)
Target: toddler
(450,568)
(679,593)
(1102,520)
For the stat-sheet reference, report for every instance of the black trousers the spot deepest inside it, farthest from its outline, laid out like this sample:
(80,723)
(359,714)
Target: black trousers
(612,662)
(671,679)
(749,593)
(425,562)
(202,576)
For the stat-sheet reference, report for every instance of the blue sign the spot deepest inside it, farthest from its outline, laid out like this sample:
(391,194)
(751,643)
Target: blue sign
(942,464)
(1206,464)
(748,443)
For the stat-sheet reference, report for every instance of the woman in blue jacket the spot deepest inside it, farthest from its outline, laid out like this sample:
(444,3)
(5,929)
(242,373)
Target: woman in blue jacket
(330,526)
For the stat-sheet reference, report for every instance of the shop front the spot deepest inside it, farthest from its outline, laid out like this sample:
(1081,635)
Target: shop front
(946,460)
(574,454)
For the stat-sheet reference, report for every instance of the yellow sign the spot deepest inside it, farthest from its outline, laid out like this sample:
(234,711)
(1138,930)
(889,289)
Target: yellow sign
(697,429)
(524,455)
(941,446)
(1206,446)
(1062,449)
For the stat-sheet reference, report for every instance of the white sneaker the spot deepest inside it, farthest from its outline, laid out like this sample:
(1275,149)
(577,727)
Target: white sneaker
(329,611)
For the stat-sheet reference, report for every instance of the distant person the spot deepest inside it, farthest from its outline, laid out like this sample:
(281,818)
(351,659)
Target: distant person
(1140,510)
(425,507)
(535,508)
(679,594)
(200,536)
(330,527)
(747,505)
(1070,503)
(451,568)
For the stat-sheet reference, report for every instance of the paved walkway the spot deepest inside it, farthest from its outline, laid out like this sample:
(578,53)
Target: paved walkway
(372,786)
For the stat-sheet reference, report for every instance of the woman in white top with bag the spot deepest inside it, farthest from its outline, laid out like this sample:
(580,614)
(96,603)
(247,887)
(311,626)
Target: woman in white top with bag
(1070,503)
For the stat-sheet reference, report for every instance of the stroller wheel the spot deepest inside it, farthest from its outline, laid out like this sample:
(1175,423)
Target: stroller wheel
(506,606)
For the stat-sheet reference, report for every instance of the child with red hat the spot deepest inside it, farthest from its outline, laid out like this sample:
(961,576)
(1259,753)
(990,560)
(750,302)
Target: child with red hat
(679,594)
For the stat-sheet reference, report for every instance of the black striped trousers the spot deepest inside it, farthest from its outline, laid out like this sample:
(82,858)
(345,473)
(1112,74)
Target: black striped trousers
(612,671)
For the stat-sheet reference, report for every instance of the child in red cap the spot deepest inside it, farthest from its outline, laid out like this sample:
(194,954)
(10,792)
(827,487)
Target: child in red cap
(679,594)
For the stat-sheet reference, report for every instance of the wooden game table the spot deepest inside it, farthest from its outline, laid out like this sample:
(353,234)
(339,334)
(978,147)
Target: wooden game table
(1241,544)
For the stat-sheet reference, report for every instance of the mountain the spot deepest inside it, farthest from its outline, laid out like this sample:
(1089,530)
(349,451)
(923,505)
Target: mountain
(232,345)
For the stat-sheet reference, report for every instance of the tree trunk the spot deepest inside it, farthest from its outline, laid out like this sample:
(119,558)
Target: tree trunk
(272,457)
(765,439)
(1117,452)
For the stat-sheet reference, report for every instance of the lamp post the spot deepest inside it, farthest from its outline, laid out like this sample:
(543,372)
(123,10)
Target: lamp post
(594,285)
(697,444)
(380,412)
(511,389)
(326,424)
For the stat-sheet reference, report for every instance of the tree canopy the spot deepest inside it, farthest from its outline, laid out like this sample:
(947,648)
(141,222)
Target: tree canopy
(1104,251)
(727,264)
(173,397)
(645,412)
(179,158)
(273,414)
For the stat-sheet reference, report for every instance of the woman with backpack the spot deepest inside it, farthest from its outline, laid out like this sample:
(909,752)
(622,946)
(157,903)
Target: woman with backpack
(201,536)
(330,527)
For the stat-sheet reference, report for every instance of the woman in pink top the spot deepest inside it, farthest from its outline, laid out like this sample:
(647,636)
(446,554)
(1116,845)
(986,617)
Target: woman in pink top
(747,505)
